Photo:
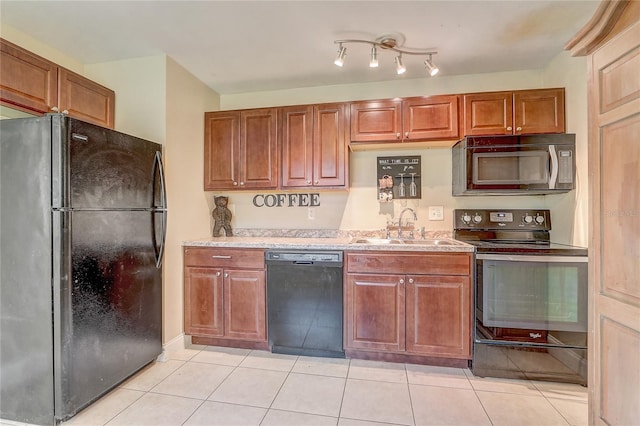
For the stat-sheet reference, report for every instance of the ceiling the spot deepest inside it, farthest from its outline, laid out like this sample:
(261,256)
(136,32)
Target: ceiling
(249,46)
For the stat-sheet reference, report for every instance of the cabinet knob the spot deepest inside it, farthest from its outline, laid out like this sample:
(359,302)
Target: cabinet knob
(398,135)
(410,280)
(226,275)
(218,274)
(509,128)
(519,129)
(235,183)
(401,280)
(241,183)
(54,109)
(65,112)
(308,182)
(316,182)
(406,134)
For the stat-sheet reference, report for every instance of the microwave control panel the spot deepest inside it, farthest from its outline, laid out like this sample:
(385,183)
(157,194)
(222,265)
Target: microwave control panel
(514,219)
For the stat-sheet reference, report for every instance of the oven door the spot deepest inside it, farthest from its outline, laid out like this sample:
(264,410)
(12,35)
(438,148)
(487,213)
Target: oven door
(539,295)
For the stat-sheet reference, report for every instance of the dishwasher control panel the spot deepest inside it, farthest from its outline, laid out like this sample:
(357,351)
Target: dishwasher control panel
(304,256)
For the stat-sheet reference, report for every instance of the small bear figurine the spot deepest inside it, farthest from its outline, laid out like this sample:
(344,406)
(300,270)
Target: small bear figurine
(221,216)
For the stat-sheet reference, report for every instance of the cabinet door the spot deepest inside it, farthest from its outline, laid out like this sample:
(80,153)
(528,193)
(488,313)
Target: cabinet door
(330,145)
(85,99)
(432,117)
(245,305)
(375,312)
(203,297)
(439,315)
(539,111)
(488,113)
(221,150)
(296,132)
(374,121)
(258,149)
(27,81)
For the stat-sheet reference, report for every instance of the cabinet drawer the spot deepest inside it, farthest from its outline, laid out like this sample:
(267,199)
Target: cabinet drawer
(409,263)
(224,257)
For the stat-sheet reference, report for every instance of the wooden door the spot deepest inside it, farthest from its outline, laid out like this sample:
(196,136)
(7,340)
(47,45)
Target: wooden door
(439,315)
(203,302)
(375,121)
(245,305)
(488,113)
(614,250)
(375,312)
(431,118)
(538,111)
(330,145)
(258,158)
(296,133)
(221,150)
(27,81)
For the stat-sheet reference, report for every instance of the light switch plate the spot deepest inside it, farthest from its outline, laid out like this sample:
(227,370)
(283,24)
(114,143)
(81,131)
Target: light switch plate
(436,213)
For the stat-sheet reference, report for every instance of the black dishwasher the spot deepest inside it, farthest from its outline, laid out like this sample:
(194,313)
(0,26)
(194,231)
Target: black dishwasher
(304,302)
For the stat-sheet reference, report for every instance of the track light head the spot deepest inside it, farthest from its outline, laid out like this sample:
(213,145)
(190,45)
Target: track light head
(400,68)
(342,51)
(433,70)
(373,63)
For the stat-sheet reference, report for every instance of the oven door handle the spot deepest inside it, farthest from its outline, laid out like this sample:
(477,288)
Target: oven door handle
(540,259)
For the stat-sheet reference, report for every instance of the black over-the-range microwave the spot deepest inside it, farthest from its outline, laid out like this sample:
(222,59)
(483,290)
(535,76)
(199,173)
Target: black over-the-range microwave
(518,164)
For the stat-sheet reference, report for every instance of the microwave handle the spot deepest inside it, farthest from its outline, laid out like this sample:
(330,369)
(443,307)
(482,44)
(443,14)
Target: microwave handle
(554,167)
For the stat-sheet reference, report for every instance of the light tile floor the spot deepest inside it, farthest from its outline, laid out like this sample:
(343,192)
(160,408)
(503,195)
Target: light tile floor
(224,386)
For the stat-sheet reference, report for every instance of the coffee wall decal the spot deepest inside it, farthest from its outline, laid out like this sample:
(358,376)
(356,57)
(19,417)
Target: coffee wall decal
(287,200)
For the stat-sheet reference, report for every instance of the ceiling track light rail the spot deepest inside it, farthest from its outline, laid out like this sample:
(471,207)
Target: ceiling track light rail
(387,43)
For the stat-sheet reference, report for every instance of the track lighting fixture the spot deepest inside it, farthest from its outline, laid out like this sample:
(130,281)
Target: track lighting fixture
(373,63)
(433,70)
(388,43)
(342,51)
(400,68)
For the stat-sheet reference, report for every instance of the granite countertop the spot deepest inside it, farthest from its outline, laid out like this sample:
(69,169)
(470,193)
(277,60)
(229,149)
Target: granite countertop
(332,241)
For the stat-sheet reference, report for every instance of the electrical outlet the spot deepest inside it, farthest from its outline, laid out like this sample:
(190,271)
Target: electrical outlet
(311,213)
(436,213)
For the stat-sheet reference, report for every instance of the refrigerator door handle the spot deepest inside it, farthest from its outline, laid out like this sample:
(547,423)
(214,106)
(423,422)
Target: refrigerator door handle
(163,208)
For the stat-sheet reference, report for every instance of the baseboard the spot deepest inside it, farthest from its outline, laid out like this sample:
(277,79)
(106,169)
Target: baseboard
(172,346)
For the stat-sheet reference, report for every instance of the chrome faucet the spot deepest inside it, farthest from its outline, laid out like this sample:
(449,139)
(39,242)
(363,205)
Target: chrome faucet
(415,217)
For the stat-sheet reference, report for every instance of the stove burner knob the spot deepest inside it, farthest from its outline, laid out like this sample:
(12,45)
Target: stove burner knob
(527,219)
(477,218)
(466,218)
(539,219)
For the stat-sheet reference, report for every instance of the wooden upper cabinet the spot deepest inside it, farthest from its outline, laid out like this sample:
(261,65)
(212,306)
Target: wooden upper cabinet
(421,118)
(330,145)
(314,146)
(240,149)
(376,121)
(33,84)
(85,99)
(431,117)
(538,111)
(514,113)
(27,81)
(258,149)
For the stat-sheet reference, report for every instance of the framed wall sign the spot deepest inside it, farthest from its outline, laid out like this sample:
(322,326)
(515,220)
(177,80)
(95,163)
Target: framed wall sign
(399,178)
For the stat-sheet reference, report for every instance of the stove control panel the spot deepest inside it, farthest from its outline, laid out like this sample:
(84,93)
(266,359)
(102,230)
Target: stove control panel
(513,219)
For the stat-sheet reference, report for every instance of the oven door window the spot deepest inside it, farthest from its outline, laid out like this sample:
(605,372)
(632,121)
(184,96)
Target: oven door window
(534,295)
(511,168)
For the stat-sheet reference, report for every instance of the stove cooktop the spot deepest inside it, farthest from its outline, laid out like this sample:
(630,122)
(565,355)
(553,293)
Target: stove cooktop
(532,248)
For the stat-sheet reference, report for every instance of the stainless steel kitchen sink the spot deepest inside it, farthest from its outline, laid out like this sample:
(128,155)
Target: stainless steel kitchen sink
(396,241)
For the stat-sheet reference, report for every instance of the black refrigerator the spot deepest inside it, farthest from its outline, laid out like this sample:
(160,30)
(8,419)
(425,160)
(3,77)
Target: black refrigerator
(83,220)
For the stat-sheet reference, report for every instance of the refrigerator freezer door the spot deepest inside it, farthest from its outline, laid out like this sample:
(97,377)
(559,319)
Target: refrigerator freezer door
(26,342)
(107,169)
(111,308)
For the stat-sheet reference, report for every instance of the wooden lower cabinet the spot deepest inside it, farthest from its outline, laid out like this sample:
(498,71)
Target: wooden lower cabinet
(225,294)
(424,312)
(438,315)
